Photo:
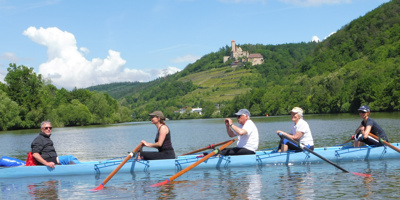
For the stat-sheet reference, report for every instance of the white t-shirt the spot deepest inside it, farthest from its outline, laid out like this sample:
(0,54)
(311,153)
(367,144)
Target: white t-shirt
(303,126)
(250,140)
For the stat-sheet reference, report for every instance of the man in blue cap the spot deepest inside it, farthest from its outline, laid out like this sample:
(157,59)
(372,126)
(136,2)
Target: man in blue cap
(368,125)
(246,131)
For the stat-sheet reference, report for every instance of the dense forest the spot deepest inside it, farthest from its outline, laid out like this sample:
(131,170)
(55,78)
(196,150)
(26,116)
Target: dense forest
(26,100)
(359,64)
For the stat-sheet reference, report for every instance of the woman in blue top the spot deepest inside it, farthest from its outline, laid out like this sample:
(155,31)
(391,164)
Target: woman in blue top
(367,126)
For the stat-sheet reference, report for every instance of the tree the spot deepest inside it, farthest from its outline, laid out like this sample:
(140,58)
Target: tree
(9,112)
(23,87)
(208,109)
(100,109)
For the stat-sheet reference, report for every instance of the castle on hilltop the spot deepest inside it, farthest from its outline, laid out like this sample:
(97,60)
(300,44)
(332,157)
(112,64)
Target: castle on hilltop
(243,56)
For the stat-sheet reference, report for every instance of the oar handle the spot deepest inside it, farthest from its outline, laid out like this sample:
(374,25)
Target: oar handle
(201,160)
(211,146)
(384,142)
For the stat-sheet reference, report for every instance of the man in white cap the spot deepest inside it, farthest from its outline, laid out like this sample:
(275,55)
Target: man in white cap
(246,131)
(300,132)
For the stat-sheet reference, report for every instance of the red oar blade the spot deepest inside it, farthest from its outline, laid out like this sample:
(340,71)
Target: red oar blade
(361,174)
(160,183)
(100,187)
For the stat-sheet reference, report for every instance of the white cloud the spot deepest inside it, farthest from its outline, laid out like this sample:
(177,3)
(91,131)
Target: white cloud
(171,70)
(84,50)
(164,72)
(3,74)
(314,2)
(68,68)
(315,39)
(330,35)
(10,57)
(186,59)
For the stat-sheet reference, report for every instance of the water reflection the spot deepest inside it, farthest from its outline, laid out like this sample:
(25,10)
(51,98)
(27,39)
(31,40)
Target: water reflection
(254,186)
(167,191)
(44,190)
(298,185)
(367,183)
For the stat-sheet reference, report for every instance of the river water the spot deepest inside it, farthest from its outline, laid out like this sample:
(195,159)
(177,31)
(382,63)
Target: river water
(315,181)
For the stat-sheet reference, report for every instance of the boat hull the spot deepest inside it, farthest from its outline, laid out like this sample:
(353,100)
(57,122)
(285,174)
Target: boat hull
(334,154)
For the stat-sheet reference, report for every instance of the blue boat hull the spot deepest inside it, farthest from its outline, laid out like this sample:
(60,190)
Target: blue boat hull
(334,154)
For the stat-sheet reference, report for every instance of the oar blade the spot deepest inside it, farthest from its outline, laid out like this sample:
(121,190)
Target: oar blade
(100,187)
(361,174)
(160,183)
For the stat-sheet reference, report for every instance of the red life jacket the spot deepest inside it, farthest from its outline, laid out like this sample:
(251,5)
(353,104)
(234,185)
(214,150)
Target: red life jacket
(30,160)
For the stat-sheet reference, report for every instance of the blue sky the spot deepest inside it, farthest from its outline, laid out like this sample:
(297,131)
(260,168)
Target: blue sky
(84,43)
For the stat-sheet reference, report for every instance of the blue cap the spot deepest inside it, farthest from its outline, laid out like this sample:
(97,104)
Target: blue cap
(364,108)
(243,112)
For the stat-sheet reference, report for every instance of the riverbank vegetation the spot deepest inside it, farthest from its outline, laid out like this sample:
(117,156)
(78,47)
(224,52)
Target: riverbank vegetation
(26,100)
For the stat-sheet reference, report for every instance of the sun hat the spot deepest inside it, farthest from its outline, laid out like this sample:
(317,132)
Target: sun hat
(158,114)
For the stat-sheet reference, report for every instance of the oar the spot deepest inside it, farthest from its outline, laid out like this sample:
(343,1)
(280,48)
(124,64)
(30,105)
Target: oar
(211,146)
(319,156)
(384,142)
(351,138)
(130,155)
(194,164)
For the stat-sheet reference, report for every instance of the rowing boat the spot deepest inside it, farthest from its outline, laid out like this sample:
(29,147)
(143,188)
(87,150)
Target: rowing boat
(261,158)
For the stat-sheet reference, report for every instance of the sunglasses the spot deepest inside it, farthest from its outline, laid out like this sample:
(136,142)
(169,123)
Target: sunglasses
(48,128)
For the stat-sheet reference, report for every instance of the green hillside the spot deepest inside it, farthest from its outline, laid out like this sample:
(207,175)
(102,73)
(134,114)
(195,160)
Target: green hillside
(219,84)
(359,64)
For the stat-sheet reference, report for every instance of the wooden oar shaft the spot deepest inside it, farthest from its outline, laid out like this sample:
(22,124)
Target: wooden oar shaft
(348,140)
(200,161)
(122,164)
(384,142)
(311,151)
(205,148)
(195,164)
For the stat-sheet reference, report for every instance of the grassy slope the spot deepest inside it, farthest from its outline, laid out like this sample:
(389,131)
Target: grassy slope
(220,84)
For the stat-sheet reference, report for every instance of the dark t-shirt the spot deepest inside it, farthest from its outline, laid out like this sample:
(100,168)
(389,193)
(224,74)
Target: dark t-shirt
(43,145)
(375,128)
